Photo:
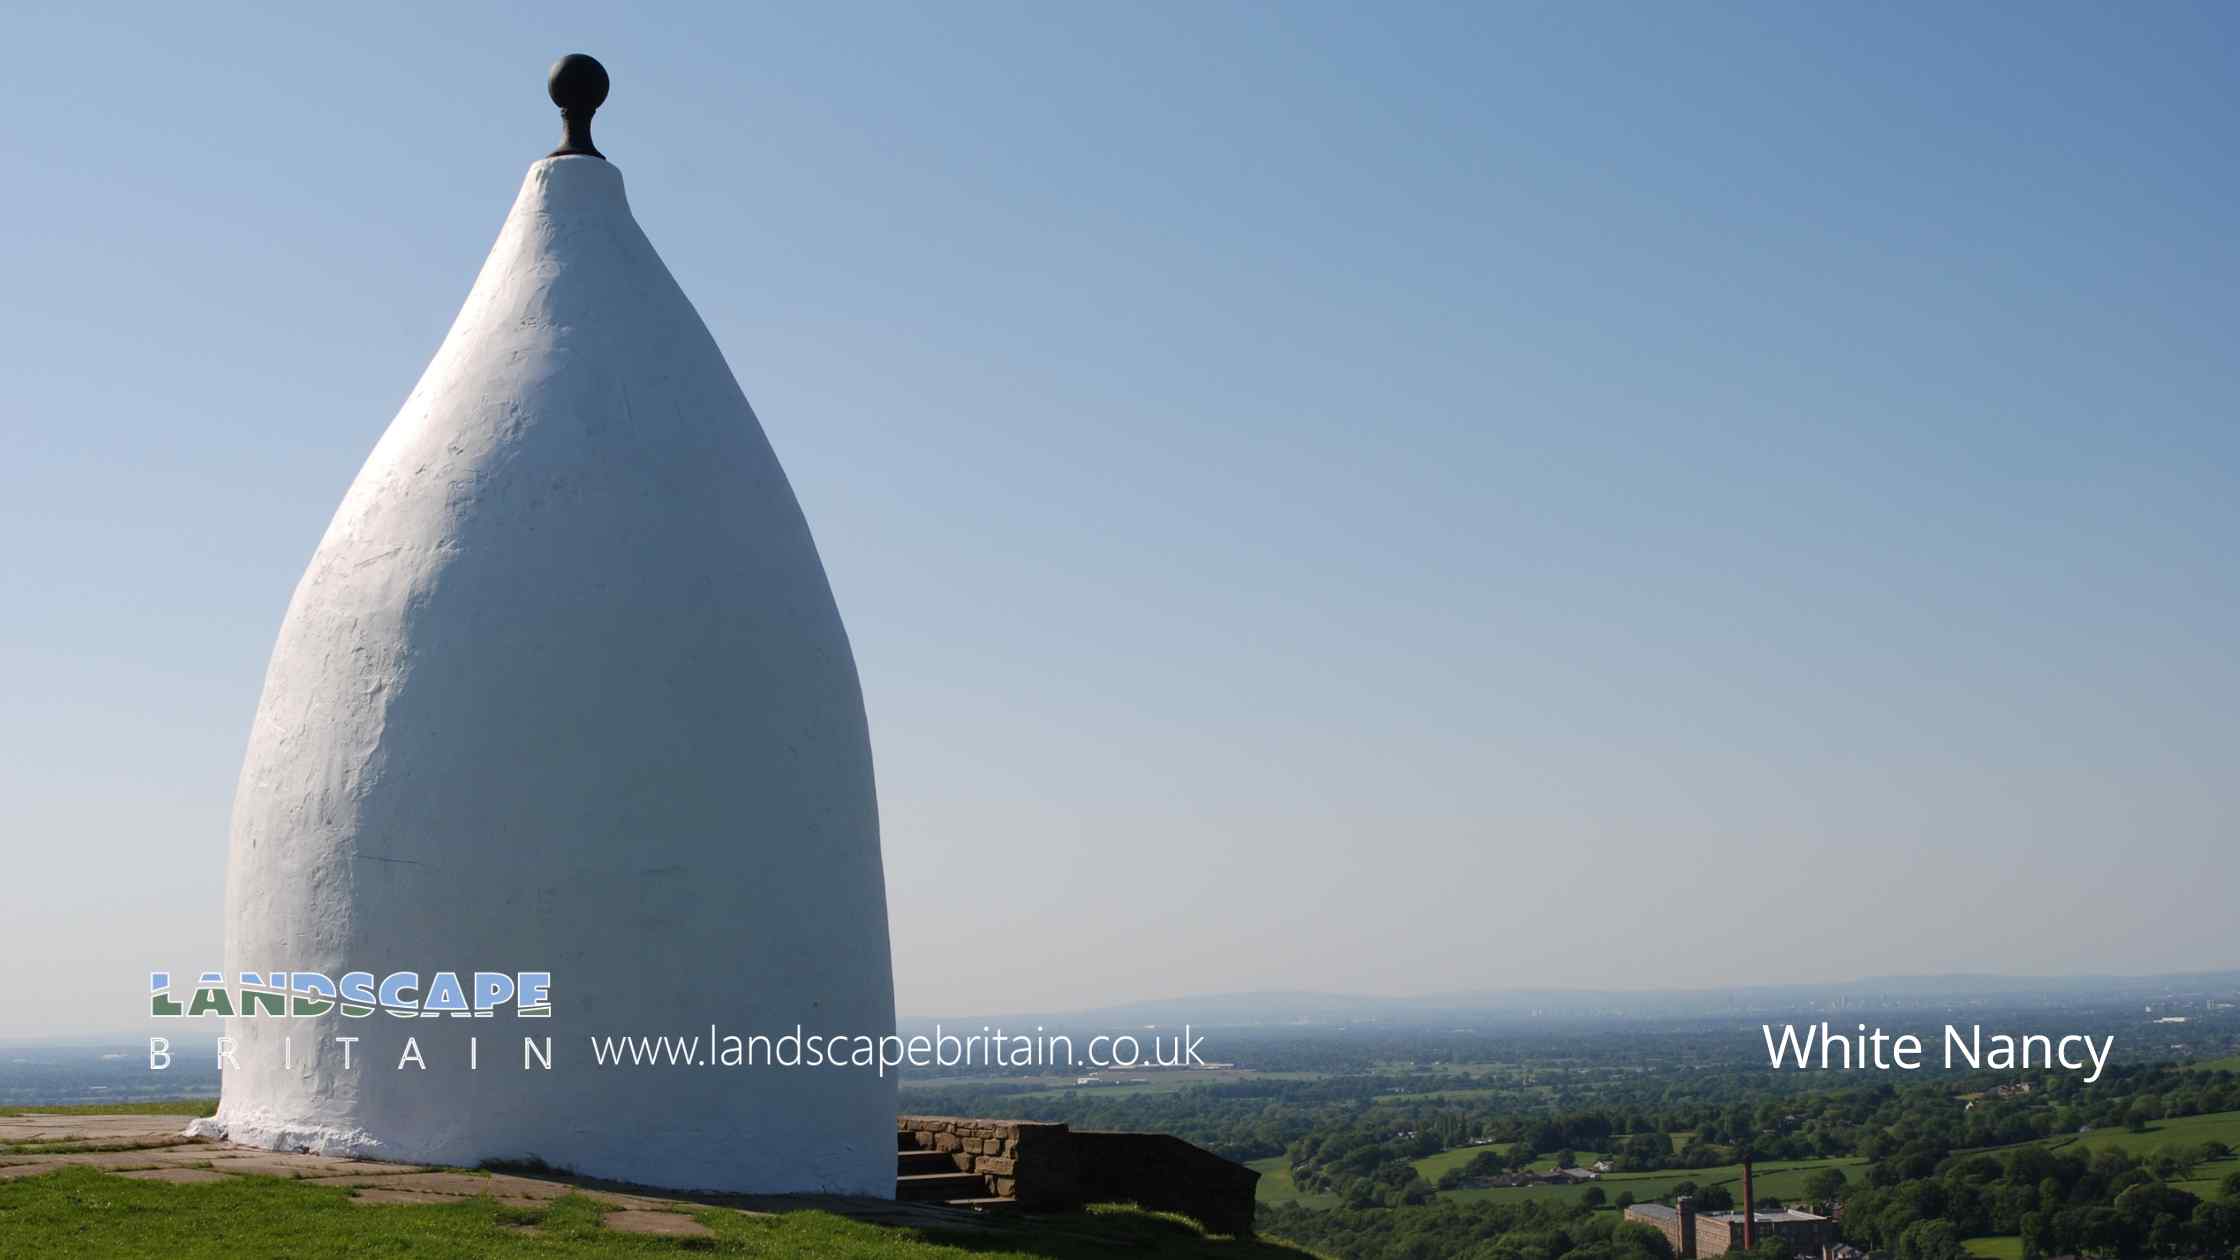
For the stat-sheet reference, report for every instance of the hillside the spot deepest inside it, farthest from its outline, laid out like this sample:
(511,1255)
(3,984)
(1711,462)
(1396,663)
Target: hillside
(83,1181)
(86,1212)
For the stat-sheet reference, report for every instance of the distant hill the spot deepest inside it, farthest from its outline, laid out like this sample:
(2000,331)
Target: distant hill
(1496,1006)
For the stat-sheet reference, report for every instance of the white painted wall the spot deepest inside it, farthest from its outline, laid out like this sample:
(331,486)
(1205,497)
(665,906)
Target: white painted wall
(565,688)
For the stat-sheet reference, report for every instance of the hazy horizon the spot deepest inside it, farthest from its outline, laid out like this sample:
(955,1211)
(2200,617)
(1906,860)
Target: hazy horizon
(1330,500)
(1464,1000)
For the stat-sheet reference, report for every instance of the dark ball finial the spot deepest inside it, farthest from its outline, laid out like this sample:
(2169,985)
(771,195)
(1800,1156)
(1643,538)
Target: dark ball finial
(578,86)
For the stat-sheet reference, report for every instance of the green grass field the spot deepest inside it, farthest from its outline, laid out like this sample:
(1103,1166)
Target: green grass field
(2221,1126)
(2230,1063)
(2186,1131)
(2209,1187)
(1783,1180)
(1276,1185)
(167,1107)
(82,1212)
(1066,1087)
(1431,1166)
(1996,1247)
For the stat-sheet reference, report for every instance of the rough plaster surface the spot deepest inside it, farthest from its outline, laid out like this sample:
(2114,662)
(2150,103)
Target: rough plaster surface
(564,688)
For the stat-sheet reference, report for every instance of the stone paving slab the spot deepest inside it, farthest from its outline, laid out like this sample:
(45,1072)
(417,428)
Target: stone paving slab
(112,1160)
(614,1198)
(443,1183)
(173,1174)
(288,1164)
(376,1196)
(71,1147)
(380,1198)
(186,1157)
(166,1157)
(665,1224)
(527,1187)
(388,1177)
(52,1128)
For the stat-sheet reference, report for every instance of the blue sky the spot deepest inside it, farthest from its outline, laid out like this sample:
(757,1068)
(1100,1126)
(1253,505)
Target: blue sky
(1395,500)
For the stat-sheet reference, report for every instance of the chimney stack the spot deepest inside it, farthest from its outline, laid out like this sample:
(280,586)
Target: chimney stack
(1687,1209)
(1749,1207)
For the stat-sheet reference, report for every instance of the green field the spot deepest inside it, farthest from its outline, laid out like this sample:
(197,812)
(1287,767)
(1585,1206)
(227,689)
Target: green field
(2221,1126)
(1782,1179)
(1432,1166)
(1996,1247)
(84,1212)
(1276,1185)
(168,1107)
(2230,1063)
(2209,1187)
(2186,1131)
(1155,1082)
(1785,1179)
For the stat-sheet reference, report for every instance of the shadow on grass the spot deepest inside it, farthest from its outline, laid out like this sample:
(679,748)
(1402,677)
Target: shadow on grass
(1093,1231)
(84,1211)
(1100,1229)
(1096,1231)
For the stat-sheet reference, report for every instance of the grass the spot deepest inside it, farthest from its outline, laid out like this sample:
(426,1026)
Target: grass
(2209,1187)
(1783,1179)
(1996,1247)
(166,1107)
(1161,1081)
(2230,1063)
(1276,1185)
(1431,1166)
(2223,1126)
(83,1212)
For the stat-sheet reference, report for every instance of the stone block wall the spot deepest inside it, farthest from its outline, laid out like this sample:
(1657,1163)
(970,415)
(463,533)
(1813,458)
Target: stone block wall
(1052,1168)
(1021,1159)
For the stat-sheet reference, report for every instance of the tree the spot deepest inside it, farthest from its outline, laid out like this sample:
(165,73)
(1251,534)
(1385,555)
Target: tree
(2037,1235)
(1639,1242)
(1824,1185)
(1931,1240)
(1624,1200)
(1594,1197)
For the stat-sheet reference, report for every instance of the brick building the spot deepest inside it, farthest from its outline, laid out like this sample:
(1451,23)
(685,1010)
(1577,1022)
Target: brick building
(1698,1235)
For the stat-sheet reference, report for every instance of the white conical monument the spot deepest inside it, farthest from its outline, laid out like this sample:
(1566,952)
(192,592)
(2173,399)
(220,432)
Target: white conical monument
(565,689)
